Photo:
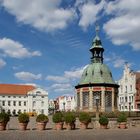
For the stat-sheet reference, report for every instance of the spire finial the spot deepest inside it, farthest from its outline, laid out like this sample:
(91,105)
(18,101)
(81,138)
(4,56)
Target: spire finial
(97,28)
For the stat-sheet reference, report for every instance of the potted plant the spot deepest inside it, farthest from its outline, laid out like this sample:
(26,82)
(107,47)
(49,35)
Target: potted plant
(23,119)
(58,119)
(103,120)
(122,119)
(4,118)
(85,119)
(41,120)
(70,119)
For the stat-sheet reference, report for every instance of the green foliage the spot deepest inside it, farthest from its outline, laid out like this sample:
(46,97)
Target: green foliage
(84,117)
(42,118)
(103,120)
(4,117)
(69,117)
(58,117)
(23,118)
(122,117)
(110,114)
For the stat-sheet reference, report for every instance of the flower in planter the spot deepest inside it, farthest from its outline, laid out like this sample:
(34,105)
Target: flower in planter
(4,118)
(122,119)
(85,119)
(103,120)
(42,120)
(23,119)
(70,118)
(58,119)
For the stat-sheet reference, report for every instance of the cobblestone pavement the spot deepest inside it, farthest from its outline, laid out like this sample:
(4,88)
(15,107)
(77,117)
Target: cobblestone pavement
(50,134)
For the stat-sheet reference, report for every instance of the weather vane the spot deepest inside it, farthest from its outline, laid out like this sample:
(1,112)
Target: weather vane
(97,28)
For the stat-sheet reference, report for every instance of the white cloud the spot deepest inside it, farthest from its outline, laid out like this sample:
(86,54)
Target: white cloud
(68,75)
(15,49)
(27,76)
(124,27)
(65,84)
(89,12)
(45,15)
(2,63)
(59,79)
(117,61)
(74,74)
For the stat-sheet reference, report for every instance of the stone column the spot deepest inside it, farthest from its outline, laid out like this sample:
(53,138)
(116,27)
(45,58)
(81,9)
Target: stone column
(81,100)
(90,100)
(113,96)
(103,100)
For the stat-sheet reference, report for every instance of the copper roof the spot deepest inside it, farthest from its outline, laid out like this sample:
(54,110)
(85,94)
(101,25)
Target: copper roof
(13,89)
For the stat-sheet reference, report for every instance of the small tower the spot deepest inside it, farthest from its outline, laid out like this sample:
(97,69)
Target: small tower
(97,83)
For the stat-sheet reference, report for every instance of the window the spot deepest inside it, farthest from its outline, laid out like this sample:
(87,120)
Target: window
(9,96)
(14,96)
(24,103)
(42,96)
(3,103)
(42,111)
(121,88)
(19,103)
(14,103)
(34,103)
(3,96)
(132,98)
(34,96)
(129,98)
(126,89)
(19,96)
(125,99)
(130,87)
(42,103)
(9,103)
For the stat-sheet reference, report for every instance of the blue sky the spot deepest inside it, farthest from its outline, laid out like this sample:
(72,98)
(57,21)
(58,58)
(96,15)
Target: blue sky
(46,42)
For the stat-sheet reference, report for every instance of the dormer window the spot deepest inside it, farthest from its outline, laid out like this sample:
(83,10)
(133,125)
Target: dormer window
(38,92)
(101,72)
(93,72)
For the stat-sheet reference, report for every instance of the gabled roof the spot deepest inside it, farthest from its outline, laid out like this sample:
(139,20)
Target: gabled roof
(14,89)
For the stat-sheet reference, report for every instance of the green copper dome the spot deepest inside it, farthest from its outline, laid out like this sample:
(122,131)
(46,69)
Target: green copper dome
(96,73)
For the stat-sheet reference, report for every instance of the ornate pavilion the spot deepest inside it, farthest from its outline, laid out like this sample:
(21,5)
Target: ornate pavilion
(97,87)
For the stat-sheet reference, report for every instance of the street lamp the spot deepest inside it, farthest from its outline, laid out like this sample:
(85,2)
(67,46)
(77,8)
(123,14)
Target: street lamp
(64,105)
(129,108)
(97,107)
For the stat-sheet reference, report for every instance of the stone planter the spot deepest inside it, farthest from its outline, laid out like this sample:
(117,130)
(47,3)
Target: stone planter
(103,126)
(2,126)
(23,126)
(122,125)
(41,125)
(83,125)
(70,126)
(59,126)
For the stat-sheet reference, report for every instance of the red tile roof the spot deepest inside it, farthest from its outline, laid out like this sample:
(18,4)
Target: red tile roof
(13,89)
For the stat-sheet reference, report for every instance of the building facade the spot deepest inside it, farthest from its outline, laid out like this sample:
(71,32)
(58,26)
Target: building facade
(97,89)
(129,99)
(66,103)
(137,98)
(62,103)
(23,98)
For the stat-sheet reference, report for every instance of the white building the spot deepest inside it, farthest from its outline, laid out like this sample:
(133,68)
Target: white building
(23,98)
(66,103)
(127,90)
